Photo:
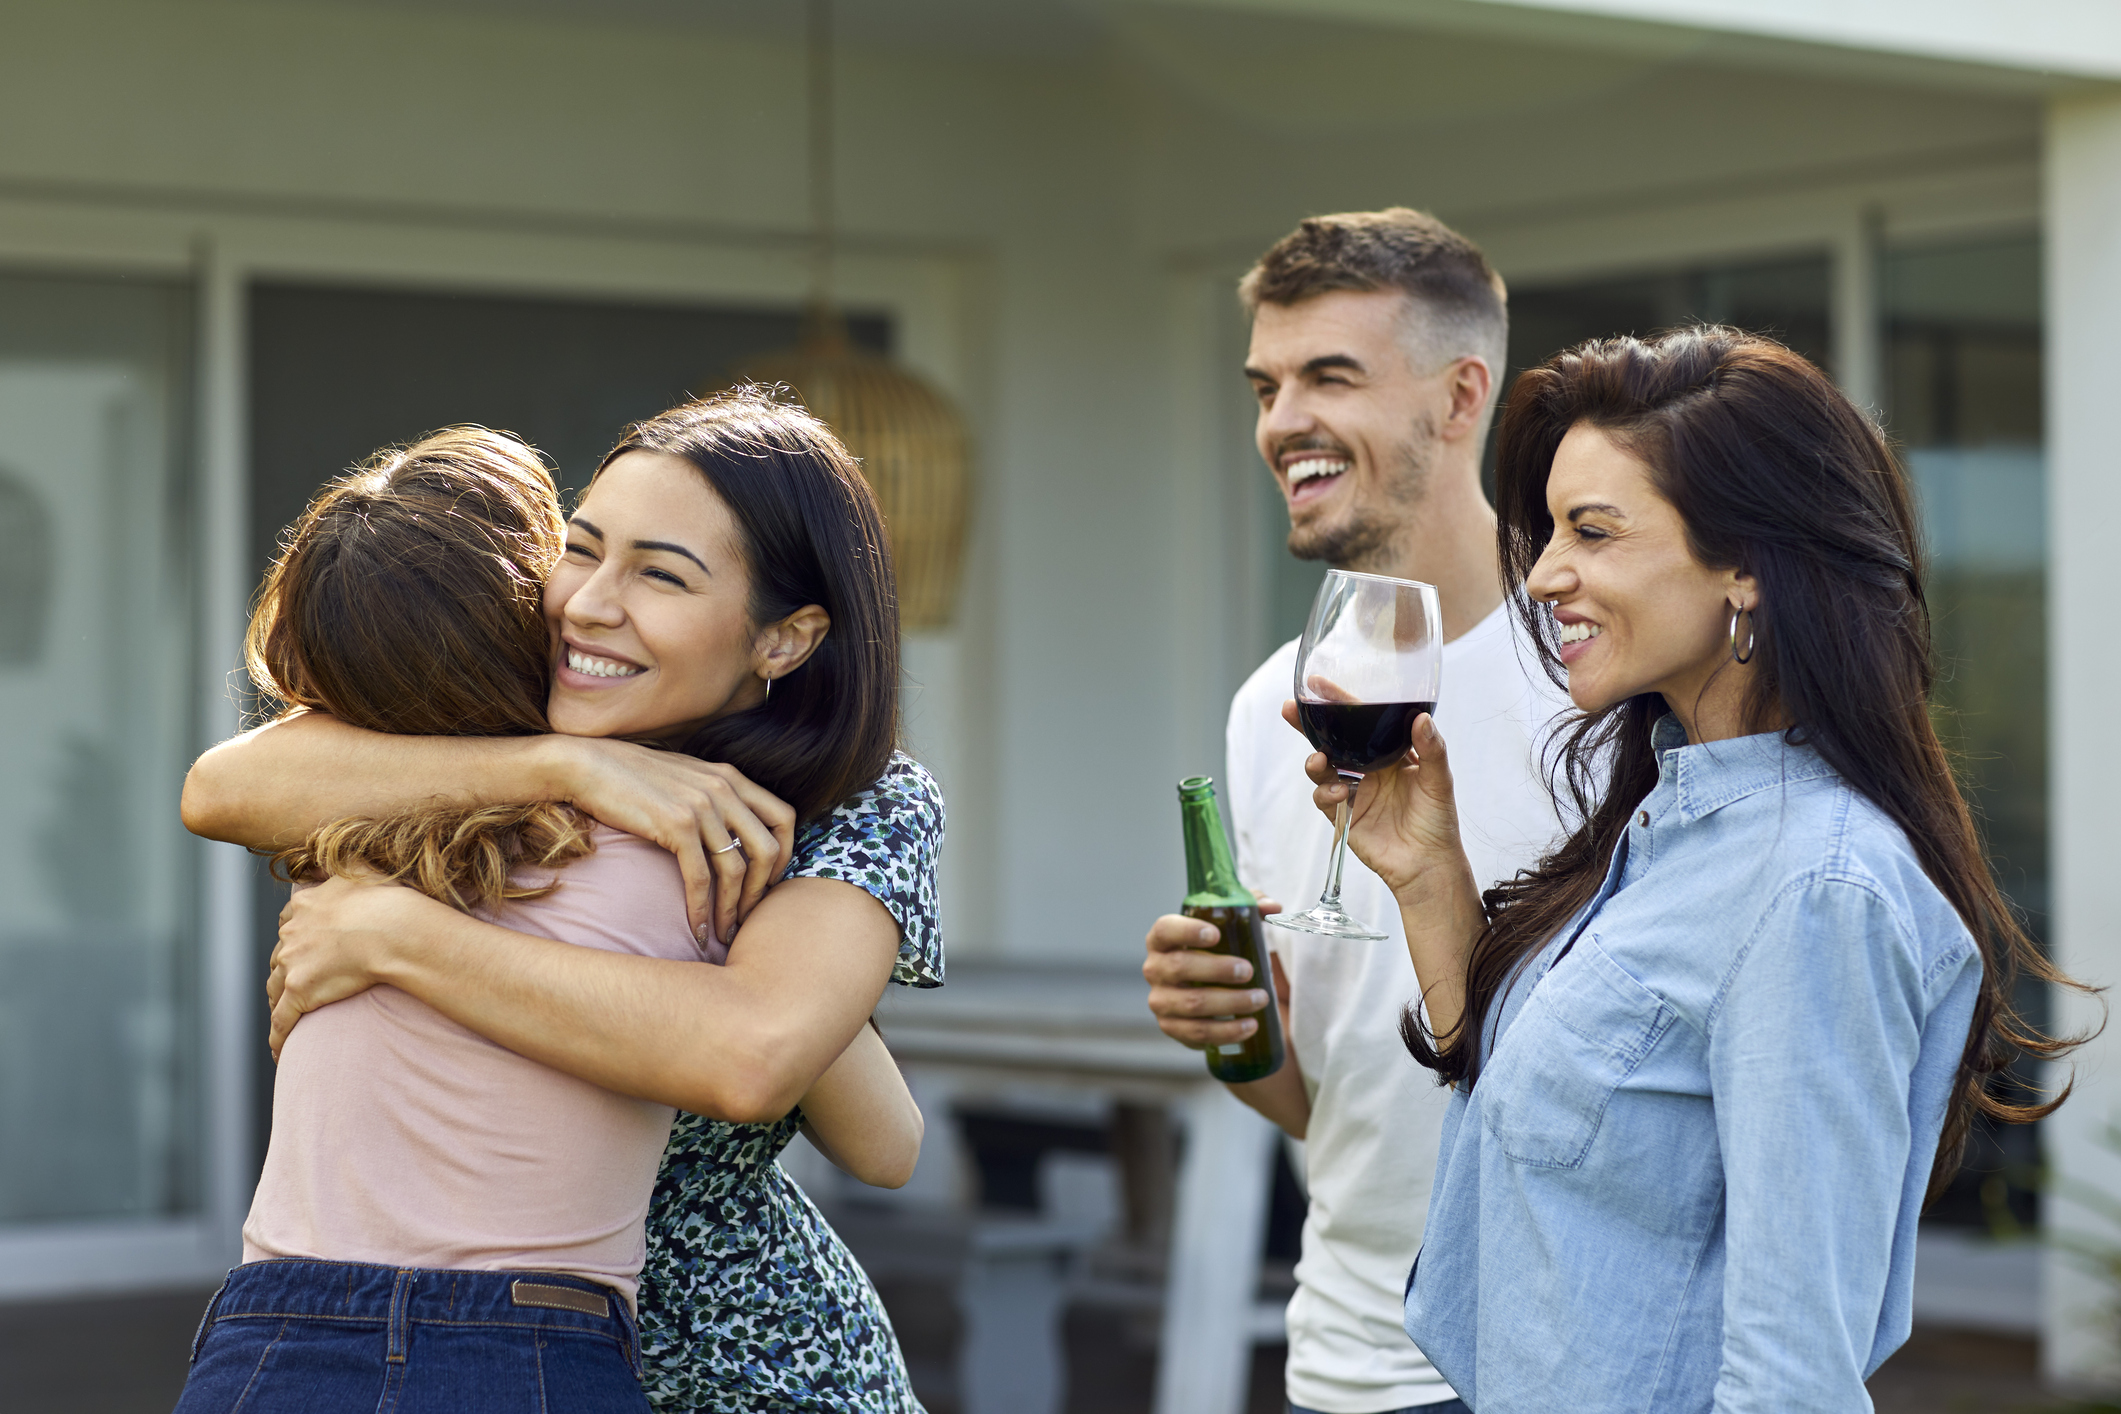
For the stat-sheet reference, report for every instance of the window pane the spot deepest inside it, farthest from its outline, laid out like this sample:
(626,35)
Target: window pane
(98,1018)
(1784,299)
(1963,377)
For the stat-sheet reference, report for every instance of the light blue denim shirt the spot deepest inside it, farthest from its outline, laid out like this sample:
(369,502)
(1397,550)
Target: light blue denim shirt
(1689,1175)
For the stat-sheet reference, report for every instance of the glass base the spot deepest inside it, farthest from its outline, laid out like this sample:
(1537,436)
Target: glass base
(1327,918)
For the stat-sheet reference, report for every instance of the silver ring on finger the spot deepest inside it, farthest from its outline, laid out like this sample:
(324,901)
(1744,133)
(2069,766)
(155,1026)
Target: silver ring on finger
(733,844)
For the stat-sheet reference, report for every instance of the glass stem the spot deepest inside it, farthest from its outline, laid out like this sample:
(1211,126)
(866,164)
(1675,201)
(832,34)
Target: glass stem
(1331,898)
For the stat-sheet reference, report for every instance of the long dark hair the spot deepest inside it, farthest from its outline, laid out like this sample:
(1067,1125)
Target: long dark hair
(811,534)
(1775,473)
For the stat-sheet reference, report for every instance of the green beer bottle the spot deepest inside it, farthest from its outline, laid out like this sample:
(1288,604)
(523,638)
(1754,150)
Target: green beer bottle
(1213,895)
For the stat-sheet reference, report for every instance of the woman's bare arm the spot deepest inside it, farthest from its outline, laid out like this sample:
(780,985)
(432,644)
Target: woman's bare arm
(269,788)
(741,1042)
(861,1116)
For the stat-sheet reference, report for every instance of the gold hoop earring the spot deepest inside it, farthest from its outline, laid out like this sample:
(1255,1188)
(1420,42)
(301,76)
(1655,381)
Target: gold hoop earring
(1752,636)
(769,690)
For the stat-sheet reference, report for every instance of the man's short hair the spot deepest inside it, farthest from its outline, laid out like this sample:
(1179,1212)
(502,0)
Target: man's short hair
(1459,294)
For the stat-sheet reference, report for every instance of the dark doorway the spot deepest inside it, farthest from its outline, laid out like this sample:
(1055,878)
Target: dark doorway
(338,372)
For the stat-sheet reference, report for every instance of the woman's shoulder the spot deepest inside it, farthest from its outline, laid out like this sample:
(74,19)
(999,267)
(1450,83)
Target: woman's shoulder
(1831,864)
(887,839)
(905,787)
(902,807)
(1872,854)
(625,895)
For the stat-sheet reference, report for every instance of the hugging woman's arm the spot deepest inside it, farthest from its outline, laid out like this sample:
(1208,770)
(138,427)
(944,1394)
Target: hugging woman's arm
(741,1042)
(270,787)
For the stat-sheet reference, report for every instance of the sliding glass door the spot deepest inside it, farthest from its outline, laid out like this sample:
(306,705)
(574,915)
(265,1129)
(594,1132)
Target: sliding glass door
(99,995)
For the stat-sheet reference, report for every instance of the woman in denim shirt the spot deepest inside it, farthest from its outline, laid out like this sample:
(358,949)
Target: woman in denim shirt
(1711,1056)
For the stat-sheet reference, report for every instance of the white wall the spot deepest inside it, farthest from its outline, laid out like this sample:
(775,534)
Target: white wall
(2084,502)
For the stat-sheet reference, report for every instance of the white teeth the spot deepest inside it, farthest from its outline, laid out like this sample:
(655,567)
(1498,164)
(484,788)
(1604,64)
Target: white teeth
(1577,633)
(1312,467)
(598,667)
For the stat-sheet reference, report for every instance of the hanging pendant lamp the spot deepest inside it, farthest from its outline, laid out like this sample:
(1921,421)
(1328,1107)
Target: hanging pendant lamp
(911,442)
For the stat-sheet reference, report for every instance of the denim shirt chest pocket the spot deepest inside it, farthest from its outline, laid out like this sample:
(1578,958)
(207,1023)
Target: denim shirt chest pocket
(1582,1032)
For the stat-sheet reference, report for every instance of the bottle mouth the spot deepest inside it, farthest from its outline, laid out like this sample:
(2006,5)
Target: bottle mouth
(1195,786)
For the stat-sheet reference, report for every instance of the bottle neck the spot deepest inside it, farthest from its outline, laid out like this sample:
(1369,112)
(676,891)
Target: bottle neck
(1211,868)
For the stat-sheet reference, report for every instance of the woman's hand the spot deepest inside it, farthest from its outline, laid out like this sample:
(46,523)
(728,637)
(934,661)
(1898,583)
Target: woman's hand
(1404,825)
(332,941)
(692,808)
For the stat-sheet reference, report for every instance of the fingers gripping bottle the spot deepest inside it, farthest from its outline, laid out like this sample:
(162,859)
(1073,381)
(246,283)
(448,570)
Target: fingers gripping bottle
(1213,895)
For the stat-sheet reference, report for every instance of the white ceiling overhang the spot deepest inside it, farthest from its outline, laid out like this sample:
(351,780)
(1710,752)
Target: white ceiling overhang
(2025,46)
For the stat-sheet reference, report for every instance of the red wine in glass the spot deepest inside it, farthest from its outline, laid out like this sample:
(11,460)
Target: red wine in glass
(1361,736)
(1370,662)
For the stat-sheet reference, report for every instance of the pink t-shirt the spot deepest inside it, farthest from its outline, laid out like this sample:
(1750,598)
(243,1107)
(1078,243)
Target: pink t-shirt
(401,1138)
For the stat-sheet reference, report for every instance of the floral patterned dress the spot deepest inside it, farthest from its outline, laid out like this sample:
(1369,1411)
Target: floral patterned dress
(749,1300)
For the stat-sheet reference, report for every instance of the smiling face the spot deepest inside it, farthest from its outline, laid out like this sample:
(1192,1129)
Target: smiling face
(1638,613)
(650,607)
(1347,420)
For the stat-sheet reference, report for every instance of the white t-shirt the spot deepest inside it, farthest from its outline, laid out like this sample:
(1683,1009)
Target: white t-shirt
(1370,1149)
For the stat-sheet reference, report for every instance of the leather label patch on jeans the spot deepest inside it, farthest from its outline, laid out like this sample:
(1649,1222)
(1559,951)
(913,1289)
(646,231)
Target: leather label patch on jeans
(558,1298)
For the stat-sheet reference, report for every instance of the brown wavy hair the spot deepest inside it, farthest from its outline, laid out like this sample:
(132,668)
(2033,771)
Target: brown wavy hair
(408,599)
(810,533)
(1776,473)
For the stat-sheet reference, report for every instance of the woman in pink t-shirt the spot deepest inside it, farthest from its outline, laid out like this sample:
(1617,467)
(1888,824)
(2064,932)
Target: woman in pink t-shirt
(443,1220)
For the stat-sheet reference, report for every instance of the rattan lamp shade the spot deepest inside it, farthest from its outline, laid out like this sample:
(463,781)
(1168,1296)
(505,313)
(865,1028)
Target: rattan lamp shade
(913,449)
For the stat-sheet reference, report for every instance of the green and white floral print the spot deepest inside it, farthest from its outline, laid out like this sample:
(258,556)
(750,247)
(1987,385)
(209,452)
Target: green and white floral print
(749,1300)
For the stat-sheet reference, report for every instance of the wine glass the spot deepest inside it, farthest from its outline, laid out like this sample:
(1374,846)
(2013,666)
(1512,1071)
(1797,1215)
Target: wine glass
(1369,664)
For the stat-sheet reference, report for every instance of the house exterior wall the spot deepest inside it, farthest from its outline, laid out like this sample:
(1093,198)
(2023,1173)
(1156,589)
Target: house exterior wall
(1055,236)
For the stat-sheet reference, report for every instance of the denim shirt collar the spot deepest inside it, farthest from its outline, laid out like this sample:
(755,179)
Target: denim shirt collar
(1708,777)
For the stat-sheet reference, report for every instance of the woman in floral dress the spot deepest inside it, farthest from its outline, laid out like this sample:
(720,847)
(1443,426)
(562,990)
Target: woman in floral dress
(726,598)
(749,1299)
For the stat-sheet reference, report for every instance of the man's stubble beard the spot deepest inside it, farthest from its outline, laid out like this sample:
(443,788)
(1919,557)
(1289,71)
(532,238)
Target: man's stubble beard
(1365,540)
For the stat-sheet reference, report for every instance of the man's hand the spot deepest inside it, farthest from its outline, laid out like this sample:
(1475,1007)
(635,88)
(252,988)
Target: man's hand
(1190,988)
(692,808)
(332,939)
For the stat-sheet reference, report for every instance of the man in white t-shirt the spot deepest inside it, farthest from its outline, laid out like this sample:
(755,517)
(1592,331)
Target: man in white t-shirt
(1377,339)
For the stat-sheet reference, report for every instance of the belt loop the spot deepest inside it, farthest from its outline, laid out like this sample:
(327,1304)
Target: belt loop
(400,1319)
(206,1319)
(630,1327)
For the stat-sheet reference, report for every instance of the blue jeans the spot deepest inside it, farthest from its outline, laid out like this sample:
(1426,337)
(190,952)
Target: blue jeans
(287,1337)
(1449,1406)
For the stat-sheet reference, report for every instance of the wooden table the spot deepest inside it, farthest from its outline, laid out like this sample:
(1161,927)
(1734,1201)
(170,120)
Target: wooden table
(997,1025)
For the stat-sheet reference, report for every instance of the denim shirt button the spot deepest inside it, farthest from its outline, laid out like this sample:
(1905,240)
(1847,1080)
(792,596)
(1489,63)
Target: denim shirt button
(1643,818)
